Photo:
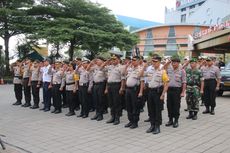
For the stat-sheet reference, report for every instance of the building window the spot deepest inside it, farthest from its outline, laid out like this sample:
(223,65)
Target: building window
(192,7)
(201,3)
(183,9)
(183,18)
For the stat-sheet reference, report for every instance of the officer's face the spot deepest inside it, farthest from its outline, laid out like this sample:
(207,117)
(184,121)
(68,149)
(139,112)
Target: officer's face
(155,63)
(134,62)
(99,62)
(193,64)
(175,65)
(209,63)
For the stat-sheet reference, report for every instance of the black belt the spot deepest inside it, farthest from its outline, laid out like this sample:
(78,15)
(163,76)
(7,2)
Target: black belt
(157,88)
(98,83)
(114,83)
(84,85)
(70,83)
(19,77)
(26,78)
(211,79)
(132,87)
(172,88)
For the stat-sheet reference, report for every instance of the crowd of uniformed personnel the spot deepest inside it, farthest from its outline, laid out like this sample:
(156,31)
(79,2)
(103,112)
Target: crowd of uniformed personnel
(95,86)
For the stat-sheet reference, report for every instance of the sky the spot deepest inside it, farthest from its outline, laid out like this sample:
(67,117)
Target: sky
(152,10)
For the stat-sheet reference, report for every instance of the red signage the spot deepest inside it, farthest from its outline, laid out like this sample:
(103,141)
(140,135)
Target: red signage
(212,29)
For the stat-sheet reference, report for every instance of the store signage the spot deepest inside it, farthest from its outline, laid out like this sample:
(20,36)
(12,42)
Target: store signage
(211,29)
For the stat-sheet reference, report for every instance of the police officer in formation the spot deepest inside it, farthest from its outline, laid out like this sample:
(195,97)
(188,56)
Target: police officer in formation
(123,83)
(211,74)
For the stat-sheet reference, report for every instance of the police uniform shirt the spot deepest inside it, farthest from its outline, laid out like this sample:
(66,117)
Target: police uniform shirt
(26,71)
(69,79)
(156,77)
(177,77)
(35,74)
(46,73)
(17,75)
(99,74)
(133,77)
(212,72)
(115,73)
(84,76)
(57,77)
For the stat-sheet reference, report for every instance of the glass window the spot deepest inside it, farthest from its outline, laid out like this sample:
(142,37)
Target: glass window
(183,9)
(183,18)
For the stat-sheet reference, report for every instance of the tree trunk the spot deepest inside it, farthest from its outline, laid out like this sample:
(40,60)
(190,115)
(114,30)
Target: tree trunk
(7,60)
(71,49)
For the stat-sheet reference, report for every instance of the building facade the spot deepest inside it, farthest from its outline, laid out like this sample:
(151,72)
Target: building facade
(166,40)
(201,12)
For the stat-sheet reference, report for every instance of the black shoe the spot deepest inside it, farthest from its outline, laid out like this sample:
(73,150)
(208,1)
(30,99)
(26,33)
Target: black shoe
(194,117)
(99,118)
(186,109)
(190,115)
(212,112)
(34,107)
(206,111)
(169,123)
(42,109)
(84,116)
(46,109)
(70,114)
(116,121)
(91,110)
(77,108)
(128,125)
(151,129)
(57,112)
(175,124)
(26,105)
(105,111)
(94,117)
(53,111)
(17,103)
(133,126)
(157,130)
(111,120)
(80,115)
(147,120)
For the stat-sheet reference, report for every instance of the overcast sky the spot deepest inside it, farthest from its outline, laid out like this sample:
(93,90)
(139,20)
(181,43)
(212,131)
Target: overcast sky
(152,10)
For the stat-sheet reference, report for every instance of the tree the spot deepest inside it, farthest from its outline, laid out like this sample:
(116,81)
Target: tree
(13,21)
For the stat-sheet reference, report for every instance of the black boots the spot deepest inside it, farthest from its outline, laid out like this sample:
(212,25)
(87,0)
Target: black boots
(128,125)
(111,120)
(190,116)
(26,105)
(133,126)
(70,114)
(170,122)
(95,117)
(35,106)
(194,116)
(100,117)
(116,121)
(151,129)
(156,129)
(206,111)
(212,111)
(175,123)
(17,103)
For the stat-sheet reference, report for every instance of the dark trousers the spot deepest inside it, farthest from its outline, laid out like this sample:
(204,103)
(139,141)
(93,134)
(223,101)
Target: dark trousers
(114,99)
(46,95)
(56,94)
(84,99)
(146,95)
(76,100)
(99,97)
(18,92)
(27,92)
(70,100)
(132,104)
(63,94)
(35,92)
(210,93)
(155,105)
(173,102)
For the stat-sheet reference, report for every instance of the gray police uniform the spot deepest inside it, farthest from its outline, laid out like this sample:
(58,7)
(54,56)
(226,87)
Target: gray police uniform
(132,89)
(115,76)
(27,92)
(56,93)
(35,78)
(17,84)
(177,79)
(210,74)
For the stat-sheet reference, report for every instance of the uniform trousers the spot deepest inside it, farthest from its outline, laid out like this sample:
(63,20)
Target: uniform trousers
(133,103)
(18,92)
(210,93)
(155,105)
(70,100)
(35,92)
(46,95)
(27,92)
(56,94)
(63,95)
(115,99)
(84,99)
(173,102)
(99,97)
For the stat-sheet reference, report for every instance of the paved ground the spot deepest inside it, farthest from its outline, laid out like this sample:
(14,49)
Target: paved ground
(34,131)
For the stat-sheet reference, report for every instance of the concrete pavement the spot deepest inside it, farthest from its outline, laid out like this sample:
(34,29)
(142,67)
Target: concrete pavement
(33,131)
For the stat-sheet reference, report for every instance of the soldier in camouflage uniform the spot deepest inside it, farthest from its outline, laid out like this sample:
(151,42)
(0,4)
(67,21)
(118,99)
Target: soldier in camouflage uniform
(194,82)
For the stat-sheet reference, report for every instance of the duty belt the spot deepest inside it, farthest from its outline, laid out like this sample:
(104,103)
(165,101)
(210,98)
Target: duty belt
(83,84)
(19,77)
(114,83)
(70,83)
(98,83)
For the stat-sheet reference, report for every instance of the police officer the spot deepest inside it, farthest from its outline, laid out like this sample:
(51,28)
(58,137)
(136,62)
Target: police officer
(34,82)
(157,87)
(134,91)
(26,75)
(176,90)
(83,88)
(99,83)
(70,81)
(58,74)
(194,83)
(17,82)
(115,87)
(212,77)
